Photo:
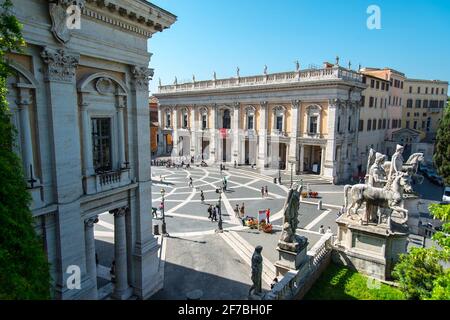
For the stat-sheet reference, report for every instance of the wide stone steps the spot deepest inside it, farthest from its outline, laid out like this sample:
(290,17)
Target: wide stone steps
(245,251)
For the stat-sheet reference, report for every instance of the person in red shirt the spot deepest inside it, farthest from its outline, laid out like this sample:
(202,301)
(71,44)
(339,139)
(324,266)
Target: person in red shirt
(268,216)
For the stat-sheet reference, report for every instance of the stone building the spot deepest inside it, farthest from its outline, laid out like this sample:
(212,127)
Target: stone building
(374,121)
(79,100)
(306,120)
(425,101)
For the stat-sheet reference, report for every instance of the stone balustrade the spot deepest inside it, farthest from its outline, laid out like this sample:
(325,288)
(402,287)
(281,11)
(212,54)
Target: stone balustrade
(106,181)
(336,73)
(295,284)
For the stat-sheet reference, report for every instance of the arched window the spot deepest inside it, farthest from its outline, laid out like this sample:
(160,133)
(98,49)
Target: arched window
(226,120)
(184,118)
(168,119)
(204,118)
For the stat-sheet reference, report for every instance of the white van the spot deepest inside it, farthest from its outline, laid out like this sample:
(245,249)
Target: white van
(446,195)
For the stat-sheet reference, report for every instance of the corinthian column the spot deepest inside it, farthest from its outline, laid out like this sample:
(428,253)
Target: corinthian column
(87,141)
(236,122)
(262,150)
(25,128)
(120,254)
(120,125)
(91,265)
(293,146)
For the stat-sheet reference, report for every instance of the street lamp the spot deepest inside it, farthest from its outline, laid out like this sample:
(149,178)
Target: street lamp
(279,170)
(292,173)
(164,228)
(219,204)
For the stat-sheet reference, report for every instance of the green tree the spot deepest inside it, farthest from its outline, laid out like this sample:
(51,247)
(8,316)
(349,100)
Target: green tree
(441,156)
(24,271)
(420,273)
(417,272)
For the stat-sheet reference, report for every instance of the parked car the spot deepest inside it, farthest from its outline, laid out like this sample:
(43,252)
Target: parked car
(436,179)
(446,195)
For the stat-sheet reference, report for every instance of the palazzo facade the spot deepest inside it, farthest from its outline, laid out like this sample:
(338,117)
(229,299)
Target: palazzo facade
(79,101)
(304,121)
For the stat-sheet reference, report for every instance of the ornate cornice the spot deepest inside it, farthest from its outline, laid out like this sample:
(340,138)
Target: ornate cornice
(295,103)
(141,77)
(61,65)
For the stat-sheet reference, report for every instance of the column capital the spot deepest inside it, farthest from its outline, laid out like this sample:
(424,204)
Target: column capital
(120,212)
(264,104)
(61,65)
(23,102)
(84,106)
(237,105)
(91,221)
(335,103)
(296,103)
(141,77)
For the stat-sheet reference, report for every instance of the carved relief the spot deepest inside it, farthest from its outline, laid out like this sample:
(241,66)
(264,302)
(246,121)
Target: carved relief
(61,65)
(60,15)
(104,86)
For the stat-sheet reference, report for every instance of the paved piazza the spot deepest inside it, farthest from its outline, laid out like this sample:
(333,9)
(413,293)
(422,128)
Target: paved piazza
(195,256)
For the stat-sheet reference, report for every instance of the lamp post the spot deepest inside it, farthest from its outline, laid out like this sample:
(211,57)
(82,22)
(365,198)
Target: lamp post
(279,171)
(219,205)
(164,227)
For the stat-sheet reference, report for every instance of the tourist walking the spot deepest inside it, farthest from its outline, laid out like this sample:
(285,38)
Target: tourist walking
(202,196)
(268,216)
(236,210)
(210,212)
(321,230)
(329,230)
(242,211)
(214,214)
(266,191)
(262,192)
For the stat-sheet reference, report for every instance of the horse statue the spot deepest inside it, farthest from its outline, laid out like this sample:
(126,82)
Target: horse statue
(390,196)
(411,165)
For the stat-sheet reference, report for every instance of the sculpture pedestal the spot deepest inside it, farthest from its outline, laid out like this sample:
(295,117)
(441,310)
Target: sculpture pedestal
(290,260)
(370,249)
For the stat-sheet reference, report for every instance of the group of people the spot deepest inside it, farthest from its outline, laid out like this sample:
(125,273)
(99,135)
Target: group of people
(239,211)
(213,212)
(264,191)
(322,230)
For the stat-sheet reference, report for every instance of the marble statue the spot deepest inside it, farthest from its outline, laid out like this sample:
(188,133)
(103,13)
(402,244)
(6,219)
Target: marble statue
(289,240)
(176,81)
(397,161)
(384,189)
(257,265)
(297,66)
(265,69)
(214,76)
(237,72)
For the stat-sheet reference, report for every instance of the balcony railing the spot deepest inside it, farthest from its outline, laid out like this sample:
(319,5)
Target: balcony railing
(336,73)
(105,181)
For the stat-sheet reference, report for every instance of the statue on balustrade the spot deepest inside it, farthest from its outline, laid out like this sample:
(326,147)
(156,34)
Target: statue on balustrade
(257,265)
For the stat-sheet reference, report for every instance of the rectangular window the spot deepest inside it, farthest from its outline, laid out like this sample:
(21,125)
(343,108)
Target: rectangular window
(349,126)
(387,86)
(426,90)
(361,125)
(371,100)
(401,84)
(410,89)
(432,90)
(363,101)
(407,124)
(423,124)
(101,144)
(441,104)
(415,124)
(409,103)
(384,123)
(383,86)
(418,103)
(204,121)
(378,85)
(380,124)
(280,123)
(185,121)
(369,125)
(250,122)
(372,83)
(425,103)
(442,91)
(313,124)
(418,89)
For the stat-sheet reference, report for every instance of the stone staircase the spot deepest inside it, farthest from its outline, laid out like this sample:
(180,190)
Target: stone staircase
(245,251)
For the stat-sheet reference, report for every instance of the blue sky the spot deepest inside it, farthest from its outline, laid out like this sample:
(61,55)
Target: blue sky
(219,35)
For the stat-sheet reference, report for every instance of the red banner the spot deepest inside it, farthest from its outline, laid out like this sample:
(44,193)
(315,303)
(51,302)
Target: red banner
(223,132)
